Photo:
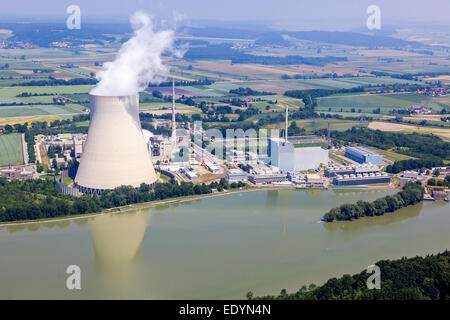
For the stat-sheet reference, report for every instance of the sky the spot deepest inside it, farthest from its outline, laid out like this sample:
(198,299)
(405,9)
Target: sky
(290,14)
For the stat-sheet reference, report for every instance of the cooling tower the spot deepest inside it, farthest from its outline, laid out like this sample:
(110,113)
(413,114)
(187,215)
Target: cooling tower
(115,152)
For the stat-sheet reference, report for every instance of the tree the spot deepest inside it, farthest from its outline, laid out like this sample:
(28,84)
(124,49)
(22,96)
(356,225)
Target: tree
(157,94)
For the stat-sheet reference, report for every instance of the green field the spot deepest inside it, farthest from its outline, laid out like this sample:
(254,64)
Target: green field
(369,102)
(390,155)
(7,92)
(11,149)
(38,110)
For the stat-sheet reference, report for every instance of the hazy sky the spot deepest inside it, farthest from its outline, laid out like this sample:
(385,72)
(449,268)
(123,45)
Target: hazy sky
(342,14)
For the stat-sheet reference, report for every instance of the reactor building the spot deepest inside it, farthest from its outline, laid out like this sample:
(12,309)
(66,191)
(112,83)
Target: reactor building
(284,155)
(115,153)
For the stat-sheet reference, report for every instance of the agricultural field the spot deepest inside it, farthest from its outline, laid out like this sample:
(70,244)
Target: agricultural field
(39,110)
(8,92)
(11,151)
(386,126)
(278,86)
(31,119)
(369,102)
(309,125)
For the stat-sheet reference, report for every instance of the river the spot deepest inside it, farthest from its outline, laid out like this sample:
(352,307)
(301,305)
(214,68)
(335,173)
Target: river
(215,248)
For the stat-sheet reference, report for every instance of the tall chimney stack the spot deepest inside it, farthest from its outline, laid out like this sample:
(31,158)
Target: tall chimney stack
(286,126)
(174,126)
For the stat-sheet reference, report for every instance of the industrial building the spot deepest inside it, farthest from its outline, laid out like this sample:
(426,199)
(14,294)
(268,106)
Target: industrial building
(296,177)
(211,167)
(267,179)
(17,173)
(262,169)
(442,170)
(285,156)
(310,158)
(314,181)
(282,154)
(78,142)
(408,176)
(236,175)
(115,153)
(192,175)
(367,168)
(361,179)
(363,155)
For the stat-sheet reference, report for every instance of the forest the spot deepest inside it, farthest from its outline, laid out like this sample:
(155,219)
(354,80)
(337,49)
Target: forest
(39,199)
(411,194)
(418,278)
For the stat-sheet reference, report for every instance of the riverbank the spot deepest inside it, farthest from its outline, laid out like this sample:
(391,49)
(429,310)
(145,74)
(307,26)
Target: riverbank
(144,205)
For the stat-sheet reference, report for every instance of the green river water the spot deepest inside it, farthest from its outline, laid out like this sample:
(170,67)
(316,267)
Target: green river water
(215,248)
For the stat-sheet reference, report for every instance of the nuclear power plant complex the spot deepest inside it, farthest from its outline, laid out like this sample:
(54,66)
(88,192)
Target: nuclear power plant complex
(115,153)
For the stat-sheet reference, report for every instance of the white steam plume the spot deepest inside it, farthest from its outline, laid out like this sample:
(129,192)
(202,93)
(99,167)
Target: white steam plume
(138,61)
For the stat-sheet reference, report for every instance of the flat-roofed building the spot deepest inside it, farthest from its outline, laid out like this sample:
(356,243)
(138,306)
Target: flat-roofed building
(191,175)
(314,181)
(296,176)
(17,173)
(333,171)
(235,175)
(267,179)
(361,179)
(363,155)
(310,158)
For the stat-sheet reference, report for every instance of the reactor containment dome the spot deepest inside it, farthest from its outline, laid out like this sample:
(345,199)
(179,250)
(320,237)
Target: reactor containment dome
(115,153)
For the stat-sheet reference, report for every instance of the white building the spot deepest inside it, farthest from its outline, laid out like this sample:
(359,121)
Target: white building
(310,158)
(78,143)
(281,154)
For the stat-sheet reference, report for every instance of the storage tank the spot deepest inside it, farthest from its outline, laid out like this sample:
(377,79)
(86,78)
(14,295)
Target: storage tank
(115,152)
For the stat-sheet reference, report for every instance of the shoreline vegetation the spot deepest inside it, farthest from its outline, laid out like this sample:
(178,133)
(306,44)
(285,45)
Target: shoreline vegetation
(130,207)
(411,194)
(31,199)
(418,278)
(142,205)
(151,204)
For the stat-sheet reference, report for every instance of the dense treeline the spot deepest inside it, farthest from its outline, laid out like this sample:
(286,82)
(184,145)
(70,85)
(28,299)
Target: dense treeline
(424,146)
(39,199)
(307,95)
(56,82)
(29,139)
(411,194)
(409,76)
(249,92)
(412,164)
(415,278)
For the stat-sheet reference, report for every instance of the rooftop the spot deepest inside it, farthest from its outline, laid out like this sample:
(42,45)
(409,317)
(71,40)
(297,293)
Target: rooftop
(363,150)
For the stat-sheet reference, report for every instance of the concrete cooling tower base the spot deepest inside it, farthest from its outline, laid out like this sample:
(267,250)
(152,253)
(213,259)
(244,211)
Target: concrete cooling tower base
(115,153)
